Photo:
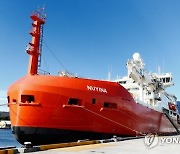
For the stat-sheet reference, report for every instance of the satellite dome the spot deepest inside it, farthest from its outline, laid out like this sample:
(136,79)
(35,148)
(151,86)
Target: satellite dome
(136,56)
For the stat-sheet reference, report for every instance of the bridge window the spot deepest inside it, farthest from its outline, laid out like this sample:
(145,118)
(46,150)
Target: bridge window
(164,80)
(122,82)
(167,80)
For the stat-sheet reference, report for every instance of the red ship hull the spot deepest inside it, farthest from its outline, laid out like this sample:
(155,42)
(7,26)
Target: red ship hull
(51,109)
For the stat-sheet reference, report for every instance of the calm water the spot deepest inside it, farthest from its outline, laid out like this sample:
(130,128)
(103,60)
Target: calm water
(7,138)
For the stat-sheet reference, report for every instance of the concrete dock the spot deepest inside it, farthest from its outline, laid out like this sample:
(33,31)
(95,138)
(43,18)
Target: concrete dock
(135,146)
(152,145)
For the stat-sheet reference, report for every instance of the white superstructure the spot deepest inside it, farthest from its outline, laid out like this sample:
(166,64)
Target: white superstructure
(148,88)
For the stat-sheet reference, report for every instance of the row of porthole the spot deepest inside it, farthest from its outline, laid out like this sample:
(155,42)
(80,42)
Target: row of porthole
(75,101)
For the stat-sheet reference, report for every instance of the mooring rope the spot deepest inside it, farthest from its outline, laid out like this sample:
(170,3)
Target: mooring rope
(137,132)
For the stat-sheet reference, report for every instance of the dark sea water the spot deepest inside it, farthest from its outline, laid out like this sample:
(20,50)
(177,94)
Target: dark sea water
(7,138)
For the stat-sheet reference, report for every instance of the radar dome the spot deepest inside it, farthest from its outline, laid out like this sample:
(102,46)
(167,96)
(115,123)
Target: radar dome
(136,56)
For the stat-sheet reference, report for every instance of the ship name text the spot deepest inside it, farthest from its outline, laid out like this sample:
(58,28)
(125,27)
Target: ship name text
(93,88)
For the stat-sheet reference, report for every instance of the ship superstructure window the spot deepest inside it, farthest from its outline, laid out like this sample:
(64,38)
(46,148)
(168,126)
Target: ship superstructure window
(27,98)
(133,89)
(110,105)
(164,80)
(74,101)
(167,80)
(122,82)
(93,101)
(8,99)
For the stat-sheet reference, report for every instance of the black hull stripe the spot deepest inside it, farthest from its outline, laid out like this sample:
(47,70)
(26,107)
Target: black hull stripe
(40,136)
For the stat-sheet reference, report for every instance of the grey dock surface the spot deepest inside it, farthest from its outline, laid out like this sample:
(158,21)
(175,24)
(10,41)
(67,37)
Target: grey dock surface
(135,146)
(159,145)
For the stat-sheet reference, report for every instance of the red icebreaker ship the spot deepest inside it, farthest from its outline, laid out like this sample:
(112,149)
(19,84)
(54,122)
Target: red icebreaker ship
(52,109)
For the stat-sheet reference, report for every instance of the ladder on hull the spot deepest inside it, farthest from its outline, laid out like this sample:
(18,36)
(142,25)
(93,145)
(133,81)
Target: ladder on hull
(166,113)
